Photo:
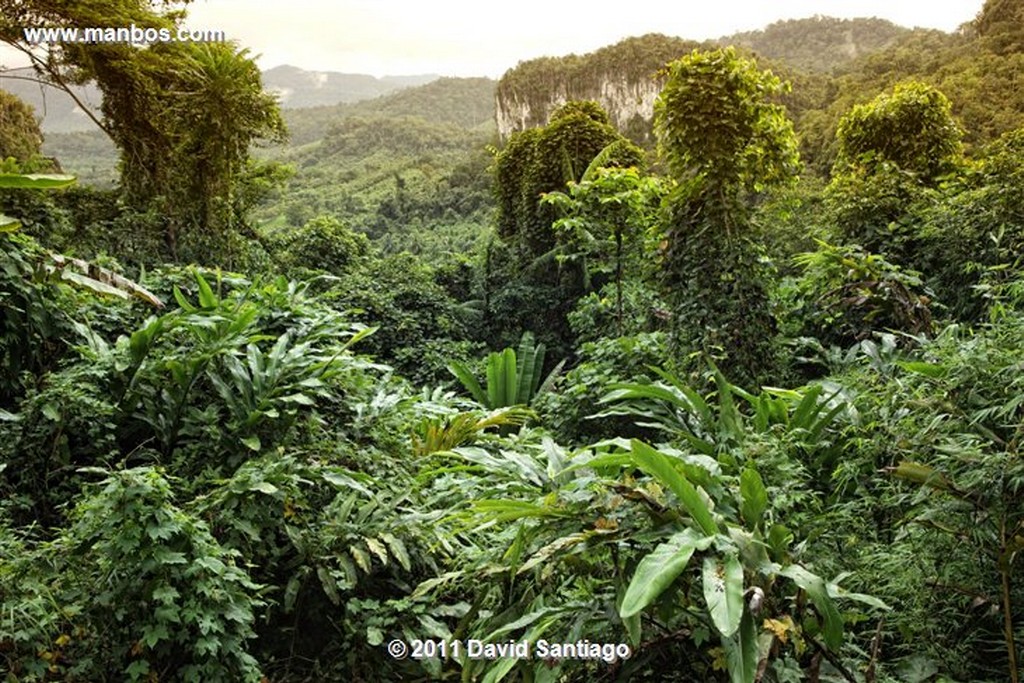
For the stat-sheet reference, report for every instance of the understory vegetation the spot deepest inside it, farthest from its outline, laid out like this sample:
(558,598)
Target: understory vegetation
(753,421)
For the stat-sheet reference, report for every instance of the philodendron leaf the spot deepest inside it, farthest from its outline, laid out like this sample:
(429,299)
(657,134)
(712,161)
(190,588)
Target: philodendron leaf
(723,592)
(741,655)
(817,591)
(660,466)
(659,569)
(754,497)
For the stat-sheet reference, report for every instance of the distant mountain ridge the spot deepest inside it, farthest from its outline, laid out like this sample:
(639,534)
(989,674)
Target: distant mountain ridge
(298,88)
(622,77)
(295,87)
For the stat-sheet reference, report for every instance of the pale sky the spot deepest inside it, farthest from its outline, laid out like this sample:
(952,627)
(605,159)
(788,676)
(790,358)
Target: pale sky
(463,38)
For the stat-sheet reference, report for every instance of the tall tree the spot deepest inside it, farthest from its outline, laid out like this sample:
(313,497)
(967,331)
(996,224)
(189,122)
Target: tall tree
(726,143)
(182,114)
(20,137)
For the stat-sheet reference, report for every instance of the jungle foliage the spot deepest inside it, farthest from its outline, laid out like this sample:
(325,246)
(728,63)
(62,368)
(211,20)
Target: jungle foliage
(754,424)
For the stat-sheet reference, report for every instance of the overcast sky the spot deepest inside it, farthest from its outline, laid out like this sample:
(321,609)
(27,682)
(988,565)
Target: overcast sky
(463,38)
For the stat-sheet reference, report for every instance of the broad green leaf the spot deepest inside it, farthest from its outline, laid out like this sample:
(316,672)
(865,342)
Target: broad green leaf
(508,359)
(816,590)
(754,497)
(8,224)
(659,569)
(926,369)
(252,443)
(265,487)
(329,586)
(34,181)
(741,654)
(723,592)
(468,381)
(207,299)
(377,548)
(661,468)
(922,474)
(398,550)
(803,416)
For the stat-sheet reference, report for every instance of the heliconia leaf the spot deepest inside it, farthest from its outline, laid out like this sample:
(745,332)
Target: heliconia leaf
(741,653)
(754,497)
(495,376)
(661,468)
(509,384)
(468,381)
(807,404)
(207,299)
(723,593)
(659,569)
(817,591)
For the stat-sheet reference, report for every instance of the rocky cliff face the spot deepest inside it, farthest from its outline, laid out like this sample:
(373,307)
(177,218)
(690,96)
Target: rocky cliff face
(622,78)
(629,103)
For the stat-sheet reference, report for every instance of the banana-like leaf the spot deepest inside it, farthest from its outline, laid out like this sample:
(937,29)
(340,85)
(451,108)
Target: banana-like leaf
(659,569)
(817,591)
(509,383)
(723,593)
(661,468)
(741,652)
(468,381)
(754,497)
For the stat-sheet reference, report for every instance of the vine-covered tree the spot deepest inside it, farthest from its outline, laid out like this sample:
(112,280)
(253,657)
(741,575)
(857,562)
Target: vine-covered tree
(546,159)
(20,137)
(725,143)
(913,127)
(183,115)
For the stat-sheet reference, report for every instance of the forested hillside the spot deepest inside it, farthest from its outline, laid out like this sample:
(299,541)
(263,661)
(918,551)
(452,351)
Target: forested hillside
(728,390)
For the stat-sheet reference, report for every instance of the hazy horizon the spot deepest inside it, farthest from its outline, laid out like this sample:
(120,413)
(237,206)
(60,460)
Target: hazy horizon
(391,38)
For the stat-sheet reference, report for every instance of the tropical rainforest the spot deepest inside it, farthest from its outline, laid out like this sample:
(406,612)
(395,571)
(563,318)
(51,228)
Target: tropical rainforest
(729,389)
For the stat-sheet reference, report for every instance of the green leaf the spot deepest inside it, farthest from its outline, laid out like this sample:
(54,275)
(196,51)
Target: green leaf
(741,655)
(398,550)
(374,636)
(468,381)
(8,224)
(207,299)
(661,468)
(509,384)
(926,369)
(723,593)
(659,569)
(329,586)
(754,497)
(816,590)
(264,487)
(38,181)
(253,443)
